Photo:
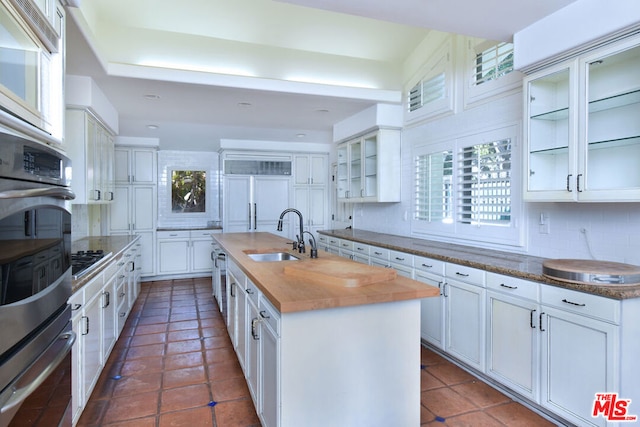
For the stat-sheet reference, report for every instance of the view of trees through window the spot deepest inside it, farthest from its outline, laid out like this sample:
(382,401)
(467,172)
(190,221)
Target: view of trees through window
(188,191)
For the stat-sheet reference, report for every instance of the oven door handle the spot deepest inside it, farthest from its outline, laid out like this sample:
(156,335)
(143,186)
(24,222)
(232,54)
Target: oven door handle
(57,192)
(19,392)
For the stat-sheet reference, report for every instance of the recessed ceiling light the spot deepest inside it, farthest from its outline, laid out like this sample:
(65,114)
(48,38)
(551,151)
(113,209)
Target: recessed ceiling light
(322,110)
(152,127)
(301,135)
(151,96)
(245,104)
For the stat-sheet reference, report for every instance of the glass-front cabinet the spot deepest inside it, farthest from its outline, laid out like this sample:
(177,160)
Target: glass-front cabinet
(368,168)
(582,131)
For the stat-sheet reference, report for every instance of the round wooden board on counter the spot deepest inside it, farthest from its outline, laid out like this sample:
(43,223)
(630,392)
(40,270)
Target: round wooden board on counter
(591,272)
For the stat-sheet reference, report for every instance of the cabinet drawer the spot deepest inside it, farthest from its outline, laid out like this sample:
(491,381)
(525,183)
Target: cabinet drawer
(333,241)
(269,314)
(346,245)
(93,287)
(401,258)
(361,248)
(200,234)
(252,292)
(464,273)
(176,234)
(380,253)
(323,240)
(428,265)
(513,286)
(110,270)
(579,302)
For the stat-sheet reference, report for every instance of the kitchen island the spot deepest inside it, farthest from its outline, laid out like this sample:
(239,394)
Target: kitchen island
(337,346)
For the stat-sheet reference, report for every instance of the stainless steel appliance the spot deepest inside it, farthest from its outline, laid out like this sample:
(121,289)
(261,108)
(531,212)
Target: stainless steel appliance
(35,267)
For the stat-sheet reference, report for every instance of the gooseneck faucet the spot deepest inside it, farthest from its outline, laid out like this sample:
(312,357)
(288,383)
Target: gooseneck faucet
(314,247)
(300,237)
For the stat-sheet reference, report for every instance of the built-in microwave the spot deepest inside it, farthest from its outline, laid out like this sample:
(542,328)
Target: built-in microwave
(31,64)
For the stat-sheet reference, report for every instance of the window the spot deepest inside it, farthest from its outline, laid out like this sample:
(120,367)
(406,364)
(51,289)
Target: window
(493,63)
(188,191)
(426,91)
(463,189)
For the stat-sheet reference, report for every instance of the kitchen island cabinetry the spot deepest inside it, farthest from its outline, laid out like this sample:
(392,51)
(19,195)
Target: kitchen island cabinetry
(302,375)
(369,168)
(431,272)
(580,118)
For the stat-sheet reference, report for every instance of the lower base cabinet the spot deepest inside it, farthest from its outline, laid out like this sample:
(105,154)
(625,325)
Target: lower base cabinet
(99,310)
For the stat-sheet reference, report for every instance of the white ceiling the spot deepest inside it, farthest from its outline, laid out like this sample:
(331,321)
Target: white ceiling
(302,65)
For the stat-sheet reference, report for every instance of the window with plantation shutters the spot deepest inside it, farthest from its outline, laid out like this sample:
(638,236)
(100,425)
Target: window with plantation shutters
(433,191)
(484,184)
(426,91)
(462,189)
(493,63)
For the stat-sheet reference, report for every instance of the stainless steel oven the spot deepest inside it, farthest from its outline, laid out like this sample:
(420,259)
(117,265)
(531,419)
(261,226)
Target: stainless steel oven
(35,272)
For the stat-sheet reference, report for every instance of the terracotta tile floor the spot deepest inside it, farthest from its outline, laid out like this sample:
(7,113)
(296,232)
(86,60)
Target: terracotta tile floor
(174,366)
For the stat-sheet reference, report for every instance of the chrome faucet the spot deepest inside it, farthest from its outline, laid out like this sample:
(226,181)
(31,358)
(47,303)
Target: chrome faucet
(300,238)
(314,247)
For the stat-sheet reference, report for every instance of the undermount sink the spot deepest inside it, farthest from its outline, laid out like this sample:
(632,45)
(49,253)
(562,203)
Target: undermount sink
(273,256)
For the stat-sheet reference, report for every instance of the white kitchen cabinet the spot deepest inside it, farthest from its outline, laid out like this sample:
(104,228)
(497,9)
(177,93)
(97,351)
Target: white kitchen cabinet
(91,149)
(269,367)
(369,169)
(431,272)
(135,165)
(464,297)
(311,169)
(254,203)
(109,323)
(311,201)
(133,212)
(232,303)
(512,334)
(579,358)
(184,252)
(582,136)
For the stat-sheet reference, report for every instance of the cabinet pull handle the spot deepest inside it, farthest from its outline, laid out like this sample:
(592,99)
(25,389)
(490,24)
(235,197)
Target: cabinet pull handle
(264,315)
(427,265)
(254,330)
(124,313)
(399,259)
(378,253)
(249,291)
(462,274)
(574,303)
(231,289)
(507,286)
(122,295)
(531,319)
(106,299)
(86,325)
(578,183)
(76,307)
(444,290)
(440,287)
(568,187)
(540,322)
(255,216)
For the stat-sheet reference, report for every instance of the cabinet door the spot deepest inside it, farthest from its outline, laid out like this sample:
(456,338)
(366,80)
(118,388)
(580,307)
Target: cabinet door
(120,210)
(91,345)
(201,255)
(577,362)
(432,311)
(464,322)
(342,172)
(143,166)
(241,327)
(370,167)
(319,171)
(355,170)
(173,256)
(77,400)
(271,195)
(611,131)
(145,259)
(253,350)
(122,166)
(237,209)
(550,134)
(512,340)
(269,374)
(144,207)
(93,160)
(232,306)
(108,304)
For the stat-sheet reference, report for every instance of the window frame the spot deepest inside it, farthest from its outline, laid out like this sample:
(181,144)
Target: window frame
(487,91)
(511,235)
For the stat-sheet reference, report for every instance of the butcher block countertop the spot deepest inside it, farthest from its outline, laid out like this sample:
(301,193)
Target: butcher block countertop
(293,292)
(510,264)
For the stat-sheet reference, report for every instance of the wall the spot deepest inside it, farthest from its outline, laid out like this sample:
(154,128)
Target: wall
(187,160)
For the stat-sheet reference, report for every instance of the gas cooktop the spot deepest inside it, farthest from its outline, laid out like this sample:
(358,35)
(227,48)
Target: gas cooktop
(82,262)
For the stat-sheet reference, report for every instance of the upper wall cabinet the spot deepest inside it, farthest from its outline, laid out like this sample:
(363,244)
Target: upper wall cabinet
(582,133)
(91,149)
(135,165)
(369,168)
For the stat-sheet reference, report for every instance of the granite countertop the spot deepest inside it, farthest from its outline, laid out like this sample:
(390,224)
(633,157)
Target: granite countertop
(213,227)
(113,246)
(294,293)
(510,264)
